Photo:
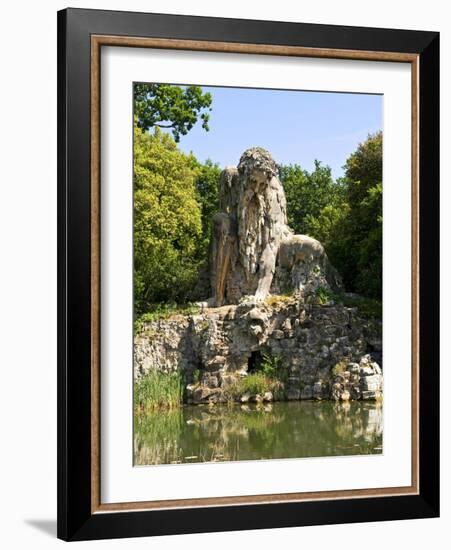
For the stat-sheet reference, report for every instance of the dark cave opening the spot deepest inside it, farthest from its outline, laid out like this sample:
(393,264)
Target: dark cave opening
(254,361)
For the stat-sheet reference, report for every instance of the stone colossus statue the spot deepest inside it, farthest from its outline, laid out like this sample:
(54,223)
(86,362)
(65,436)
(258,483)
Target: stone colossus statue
(253,251)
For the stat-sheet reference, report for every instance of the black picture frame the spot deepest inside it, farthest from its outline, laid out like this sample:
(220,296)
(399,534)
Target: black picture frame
(76,521)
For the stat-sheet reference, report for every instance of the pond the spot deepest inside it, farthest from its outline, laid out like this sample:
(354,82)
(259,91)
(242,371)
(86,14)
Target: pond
(254,432)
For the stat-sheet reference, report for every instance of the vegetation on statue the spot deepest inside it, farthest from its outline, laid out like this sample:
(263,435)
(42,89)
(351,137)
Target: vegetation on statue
(174,107)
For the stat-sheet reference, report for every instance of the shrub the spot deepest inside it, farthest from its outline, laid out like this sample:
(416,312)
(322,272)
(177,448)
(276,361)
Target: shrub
(268,378)
(324,295)
(270,366)
(340,367)
(254,383)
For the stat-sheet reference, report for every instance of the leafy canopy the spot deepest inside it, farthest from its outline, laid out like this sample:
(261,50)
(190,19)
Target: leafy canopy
(168,106)
(363,227)
(207,189)
(347,218)
(167,224)
(307,193)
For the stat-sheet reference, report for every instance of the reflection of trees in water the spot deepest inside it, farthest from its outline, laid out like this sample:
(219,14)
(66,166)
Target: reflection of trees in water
(249,432)
(359,424)
(157,437)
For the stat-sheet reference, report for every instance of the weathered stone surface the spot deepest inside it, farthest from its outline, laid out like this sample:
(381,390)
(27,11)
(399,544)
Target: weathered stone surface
(372,382)
(215,354)
(253,250)
(336,391)
(293,394)
(320,390)
(353,368)
(204,394)
(306,392)
(366,371)
(356,394)
(376,368)
(373,395)
(256,398)
(345,395)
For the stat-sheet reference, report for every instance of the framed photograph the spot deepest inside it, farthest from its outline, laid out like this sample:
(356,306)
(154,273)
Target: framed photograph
(248,274)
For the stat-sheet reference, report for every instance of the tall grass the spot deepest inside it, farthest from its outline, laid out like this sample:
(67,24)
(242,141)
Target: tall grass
(158,390)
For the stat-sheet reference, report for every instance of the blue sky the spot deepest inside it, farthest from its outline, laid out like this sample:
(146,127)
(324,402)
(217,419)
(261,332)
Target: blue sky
(295,127)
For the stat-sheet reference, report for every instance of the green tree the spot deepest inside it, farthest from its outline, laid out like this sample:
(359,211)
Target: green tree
(323,227)
(350,226)
(167,224)
(174,107)
(363,226)
(207,185)
(308,193)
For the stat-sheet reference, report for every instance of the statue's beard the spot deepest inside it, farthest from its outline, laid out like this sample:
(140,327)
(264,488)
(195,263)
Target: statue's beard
(250,231)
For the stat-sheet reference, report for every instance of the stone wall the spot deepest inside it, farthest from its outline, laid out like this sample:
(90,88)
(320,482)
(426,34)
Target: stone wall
(320,351)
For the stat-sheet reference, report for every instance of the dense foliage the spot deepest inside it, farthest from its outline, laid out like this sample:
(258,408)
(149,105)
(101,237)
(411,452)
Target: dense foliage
(207,188)
(174,199)
(346,216)
(308,193)
(168,106)
(167,224)
(363,226)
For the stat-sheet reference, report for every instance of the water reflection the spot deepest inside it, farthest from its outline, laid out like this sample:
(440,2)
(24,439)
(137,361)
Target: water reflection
(249,432)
